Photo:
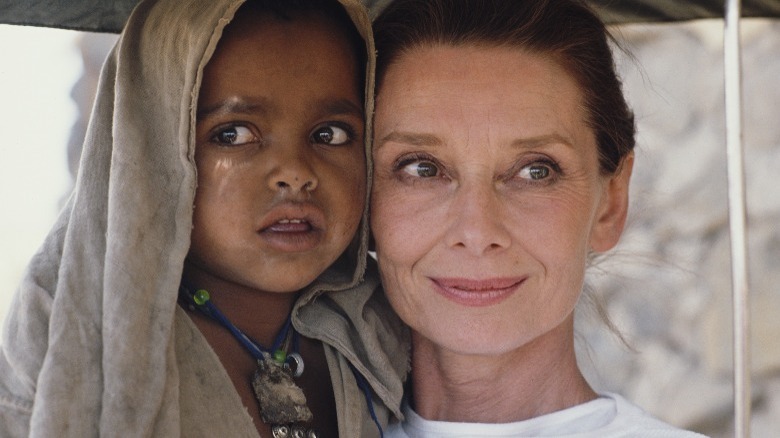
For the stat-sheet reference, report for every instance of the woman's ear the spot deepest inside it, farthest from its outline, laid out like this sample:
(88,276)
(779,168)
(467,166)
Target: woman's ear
(611,217)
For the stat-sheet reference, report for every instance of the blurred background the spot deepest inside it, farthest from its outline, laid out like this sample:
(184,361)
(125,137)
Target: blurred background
(666,288)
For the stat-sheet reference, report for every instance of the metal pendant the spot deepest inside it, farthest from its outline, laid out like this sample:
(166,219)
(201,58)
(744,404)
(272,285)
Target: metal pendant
(284,431)
(282,402)
(294,364)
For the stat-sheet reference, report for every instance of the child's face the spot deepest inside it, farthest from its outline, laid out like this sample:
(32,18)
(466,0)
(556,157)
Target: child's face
(280,156)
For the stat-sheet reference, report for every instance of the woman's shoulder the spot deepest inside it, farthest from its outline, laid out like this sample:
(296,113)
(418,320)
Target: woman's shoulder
(608,416)
(631,420)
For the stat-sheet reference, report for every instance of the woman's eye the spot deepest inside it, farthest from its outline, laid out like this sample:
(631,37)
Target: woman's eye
(331,135)
(536,172)
(422,169)
(234,136)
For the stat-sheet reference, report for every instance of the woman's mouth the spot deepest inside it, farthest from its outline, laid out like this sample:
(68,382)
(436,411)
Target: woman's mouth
(477,293)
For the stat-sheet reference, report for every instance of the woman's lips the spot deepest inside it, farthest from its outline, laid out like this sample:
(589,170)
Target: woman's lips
(477,293)
(293,227)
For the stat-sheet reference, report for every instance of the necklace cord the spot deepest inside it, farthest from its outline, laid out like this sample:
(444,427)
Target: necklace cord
(363,385)
(202,301)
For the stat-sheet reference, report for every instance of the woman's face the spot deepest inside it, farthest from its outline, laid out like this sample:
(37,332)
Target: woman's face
(487,195)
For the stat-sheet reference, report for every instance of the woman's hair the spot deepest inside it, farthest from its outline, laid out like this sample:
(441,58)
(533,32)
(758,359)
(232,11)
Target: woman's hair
(568,31)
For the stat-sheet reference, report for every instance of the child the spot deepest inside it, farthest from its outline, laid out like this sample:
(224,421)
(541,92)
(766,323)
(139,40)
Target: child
(269,109)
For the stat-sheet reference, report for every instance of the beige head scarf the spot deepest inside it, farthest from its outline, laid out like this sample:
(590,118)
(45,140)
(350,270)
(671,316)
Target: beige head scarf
(107,276)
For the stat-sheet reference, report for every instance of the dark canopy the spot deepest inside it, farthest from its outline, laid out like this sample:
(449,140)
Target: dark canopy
(110,15)
(632,11)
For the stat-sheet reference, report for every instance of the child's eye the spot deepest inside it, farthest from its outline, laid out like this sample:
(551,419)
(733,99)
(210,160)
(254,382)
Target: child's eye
(235,135)
(331,135)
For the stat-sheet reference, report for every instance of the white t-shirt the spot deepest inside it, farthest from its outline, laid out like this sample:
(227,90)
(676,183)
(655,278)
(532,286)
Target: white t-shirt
(608,416)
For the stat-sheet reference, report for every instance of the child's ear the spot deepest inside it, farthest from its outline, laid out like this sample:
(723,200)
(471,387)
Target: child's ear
(613,209)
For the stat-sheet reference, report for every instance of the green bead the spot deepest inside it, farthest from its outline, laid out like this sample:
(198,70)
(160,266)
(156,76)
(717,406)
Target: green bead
(201,296)
(280,356)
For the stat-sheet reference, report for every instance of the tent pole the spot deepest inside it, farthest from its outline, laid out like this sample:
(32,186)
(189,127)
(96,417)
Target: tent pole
(737,218)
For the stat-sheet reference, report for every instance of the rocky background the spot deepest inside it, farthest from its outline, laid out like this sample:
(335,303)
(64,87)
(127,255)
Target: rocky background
(667,287)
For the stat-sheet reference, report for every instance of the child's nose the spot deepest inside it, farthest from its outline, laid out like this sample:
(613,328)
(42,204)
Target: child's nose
(297,185)
(294,174)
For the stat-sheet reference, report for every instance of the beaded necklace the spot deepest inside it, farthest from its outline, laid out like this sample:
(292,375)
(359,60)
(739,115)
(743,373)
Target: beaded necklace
(282,402)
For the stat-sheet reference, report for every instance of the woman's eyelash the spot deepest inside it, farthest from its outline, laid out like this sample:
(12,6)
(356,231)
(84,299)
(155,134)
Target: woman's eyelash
(537,171)
(403,161)
(549,163)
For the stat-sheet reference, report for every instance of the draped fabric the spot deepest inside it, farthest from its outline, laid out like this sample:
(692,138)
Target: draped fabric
(94,343)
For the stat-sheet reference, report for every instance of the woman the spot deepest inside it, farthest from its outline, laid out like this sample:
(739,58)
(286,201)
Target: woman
(502,158)
(225,153)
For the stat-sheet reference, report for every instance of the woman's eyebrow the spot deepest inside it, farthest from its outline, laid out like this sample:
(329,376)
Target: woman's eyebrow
(542,140)
(421,139)
(410,138)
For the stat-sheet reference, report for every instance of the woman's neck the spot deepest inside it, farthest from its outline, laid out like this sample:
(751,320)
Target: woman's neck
(533,380)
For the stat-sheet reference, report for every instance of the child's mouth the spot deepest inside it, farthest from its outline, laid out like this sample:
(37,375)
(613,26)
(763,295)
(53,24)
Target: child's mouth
(293,227)
(291,235)
(290,226)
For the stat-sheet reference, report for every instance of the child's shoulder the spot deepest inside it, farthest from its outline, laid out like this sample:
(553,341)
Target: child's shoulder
(358,324)
(360,313)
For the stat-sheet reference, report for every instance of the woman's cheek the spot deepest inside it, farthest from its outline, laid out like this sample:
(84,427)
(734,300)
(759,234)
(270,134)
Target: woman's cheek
(402,291)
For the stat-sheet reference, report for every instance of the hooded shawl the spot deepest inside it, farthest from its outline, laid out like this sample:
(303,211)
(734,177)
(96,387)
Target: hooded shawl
(94,342)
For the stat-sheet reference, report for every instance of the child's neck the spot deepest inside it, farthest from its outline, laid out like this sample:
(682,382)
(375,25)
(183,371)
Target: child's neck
(259,314)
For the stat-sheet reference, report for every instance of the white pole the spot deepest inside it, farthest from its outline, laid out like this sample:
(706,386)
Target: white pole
(737,218)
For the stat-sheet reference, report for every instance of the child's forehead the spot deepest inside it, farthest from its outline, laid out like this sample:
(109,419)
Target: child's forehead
(266,66)
(262,41)
(290,18)
(261,54)
(281,53)
(254,15)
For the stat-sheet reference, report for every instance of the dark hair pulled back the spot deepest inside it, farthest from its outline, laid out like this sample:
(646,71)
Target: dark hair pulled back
(566,30)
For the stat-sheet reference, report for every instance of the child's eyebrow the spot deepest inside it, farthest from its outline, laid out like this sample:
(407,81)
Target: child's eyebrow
(235,105)
(339,106)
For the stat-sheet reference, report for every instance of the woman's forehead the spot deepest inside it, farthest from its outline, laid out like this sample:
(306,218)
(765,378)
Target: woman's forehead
(465,82)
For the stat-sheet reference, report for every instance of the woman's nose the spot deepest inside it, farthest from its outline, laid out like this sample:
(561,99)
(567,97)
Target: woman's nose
(477,224)
(292,172)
